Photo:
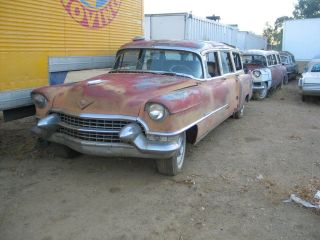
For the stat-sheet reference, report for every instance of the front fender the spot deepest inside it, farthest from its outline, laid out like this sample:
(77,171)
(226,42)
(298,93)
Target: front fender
(180,100)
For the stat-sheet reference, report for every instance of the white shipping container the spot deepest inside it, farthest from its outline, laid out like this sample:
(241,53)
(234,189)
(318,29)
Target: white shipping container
(248,40)
(184,26)
(302,38)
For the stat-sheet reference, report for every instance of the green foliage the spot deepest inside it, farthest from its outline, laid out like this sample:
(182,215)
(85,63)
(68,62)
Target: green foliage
(303,9)
(307,9)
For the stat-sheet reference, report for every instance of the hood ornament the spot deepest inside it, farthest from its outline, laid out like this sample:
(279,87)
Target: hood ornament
(83,103)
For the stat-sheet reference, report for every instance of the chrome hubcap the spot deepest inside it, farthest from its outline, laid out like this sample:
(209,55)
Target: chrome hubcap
(180,154)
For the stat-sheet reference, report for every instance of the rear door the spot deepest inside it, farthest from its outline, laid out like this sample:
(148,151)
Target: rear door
(276,72)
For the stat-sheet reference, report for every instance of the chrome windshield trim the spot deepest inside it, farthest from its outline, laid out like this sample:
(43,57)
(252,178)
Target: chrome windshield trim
(190,125)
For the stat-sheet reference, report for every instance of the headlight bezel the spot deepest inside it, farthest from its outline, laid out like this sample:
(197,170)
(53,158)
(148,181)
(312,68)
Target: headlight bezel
(152,108)
(39,100)
(257,73)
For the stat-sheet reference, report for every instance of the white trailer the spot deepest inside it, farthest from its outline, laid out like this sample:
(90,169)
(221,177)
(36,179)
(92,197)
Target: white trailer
(185,26)
(249,40)
(302,38)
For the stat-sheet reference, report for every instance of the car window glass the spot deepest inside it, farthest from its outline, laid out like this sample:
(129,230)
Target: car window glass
(213,66)
(226,62)
(129,60)
(270,60)
(285,59)
(237,61)
(278,59)
(316,68)
(160,60)
(274,59)
(254,60)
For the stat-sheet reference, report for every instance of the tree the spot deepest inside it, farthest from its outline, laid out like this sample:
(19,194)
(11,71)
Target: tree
(307,9)
(268,32)
(274,34)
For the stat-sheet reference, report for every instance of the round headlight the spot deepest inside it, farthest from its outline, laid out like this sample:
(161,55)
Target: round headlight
(157,112)
(256,73)
(39,100)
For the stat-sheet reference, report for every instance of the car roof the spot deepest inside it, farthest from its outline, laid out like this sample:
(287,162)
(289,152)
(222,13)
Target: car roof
(192,46)
(285,53)
(259,52)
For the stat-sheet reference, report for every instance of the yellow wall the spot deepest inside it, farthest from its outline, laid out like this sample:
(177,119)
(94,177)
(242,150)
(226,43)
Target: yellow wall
(33,30)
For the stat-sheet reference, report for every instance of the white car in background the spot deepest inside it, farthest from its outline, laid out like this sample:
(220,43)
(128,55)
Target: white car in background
(310,82)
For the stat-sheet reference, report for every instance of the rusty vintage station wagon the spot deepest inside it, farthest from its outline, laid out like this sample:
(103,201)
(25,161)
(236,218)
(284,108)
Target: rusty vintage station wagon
(267,70)
(159,95)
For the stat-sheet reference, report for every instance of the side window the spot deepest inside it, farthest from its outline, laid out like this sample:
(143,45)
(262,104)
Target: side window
(213,66)
(274,59)
(278,59)
(237,61)
(270,61)
(226,62)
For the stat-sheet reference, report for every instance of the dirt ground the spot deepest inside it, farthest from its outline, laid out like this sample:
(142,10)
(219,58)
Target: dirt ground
(232,187)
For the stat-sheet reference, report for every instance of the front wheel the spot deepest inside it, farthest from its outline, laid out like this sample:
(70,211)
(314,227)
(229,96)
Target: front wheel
(173,165)
(239,113)
(260,95)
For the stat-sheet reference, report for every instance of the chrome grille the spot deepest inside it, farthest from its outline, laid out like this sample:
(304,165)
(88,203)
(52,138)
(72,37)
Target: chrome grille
(105,124)
(91,136)
(91,129)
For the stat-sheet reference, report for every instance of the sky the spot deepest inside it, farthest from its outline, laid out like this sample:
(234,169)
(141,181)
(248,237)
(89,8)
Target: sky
(250,15)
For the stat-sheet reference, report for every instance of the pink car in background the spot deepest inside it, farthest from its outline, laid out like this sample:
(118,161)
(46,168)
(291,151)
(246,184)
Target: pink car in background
(267,70)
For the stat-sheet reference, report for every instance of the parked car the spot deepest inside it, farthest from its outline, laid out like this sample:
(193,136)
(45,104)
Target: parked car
(159,95)
(310,82)
(267,70)
(288,60)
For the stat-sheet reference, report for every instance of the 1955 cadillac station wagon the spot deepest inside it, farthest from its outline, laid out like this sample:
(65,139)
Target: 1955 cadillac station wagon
(159,95)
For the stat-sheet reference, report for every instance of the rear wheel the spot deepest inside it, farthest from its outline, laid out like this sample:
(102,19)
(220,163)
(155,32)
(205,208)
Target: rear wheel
(173,165)
(260,95)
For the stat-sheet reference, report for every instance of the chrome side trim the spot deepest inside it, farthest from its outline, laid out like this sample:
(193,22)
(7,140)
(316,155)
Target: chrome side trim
(190,125)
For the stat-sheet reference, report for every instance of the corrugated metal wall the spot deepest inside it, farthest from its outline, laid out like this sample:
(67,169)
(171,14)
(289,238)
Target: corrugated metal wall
(189,27)
(207,30)
(33,30)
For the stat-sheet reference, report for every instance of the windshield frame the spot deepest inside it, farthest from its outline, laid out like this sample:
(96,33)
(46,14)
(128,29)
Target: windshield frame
(199,56)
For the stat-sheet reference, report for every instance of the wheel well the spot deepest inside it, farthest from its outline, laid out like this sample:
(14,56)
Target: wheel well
(192,134)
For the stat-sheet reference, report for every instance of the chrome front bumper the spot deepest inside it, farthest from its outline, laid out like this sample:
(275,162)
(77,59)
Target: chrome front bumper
(257,87)
(134,142)
(310,91)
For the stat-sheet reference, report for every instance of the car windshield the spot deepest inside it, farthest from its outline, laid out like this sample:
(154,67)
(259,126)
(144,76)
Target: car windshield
(254,60)
(159,61)
(285,60)
(315,68)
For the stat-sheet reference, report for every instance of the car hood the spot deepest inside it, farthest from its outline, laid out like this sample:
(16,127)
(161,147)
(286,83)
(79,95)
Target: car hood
(311,77)
(116,93)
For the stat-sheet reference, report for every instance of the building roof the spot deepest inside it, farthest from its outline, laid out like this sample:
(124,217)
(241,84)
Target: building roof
(192,46)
